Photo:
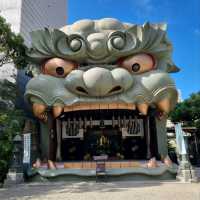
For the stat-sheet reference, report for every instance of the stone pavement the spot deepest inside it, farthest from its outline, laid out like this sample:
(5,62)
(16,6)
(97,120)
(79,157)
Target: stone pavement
(150,190)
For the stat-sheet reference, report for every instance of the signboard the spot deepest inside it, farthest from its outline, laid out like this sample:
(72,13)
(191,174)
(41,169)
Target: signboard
(27,148)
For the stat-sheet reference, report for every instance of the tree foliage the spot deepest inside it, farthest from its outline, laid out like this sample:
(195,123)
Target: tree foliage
(11,123)
(188,111)
(12,48)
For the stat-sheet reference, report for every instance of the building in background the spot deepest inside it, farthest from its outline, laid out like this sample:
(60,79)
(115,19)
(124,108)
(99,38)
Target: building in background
(25,16)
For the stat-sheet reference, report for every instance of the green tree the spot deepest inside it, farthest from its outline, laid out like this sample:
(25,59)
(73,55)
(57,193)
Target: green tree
(11,123)
(12,48)
(188,111)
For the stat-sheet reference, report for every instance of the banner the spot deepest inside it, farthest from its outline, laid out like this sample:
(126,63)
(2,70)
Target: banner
(180,141)
(27,148)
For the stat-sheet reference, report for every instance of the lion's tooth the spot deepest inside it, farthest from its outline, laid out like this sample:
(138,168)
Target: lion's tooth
(57,110)
(51,165)
(152,163)
(143,108)
(37,164)
(164,105)
(38,109)
(133,106)
(168,161)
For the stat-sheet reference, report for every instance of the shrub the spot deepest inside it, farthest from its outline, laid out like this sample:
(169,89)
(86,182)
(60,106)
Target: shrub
(11,124)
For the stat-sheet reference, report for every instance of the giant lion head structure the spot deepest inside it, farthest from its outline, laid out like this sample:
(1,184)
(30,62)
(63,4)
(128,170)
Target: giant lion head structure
(104,61)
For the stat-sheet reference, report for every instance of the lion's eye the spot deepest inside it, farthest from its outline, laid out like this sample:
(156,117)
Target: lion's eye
(58,67)
(135,67)
(139,63)
(60,70)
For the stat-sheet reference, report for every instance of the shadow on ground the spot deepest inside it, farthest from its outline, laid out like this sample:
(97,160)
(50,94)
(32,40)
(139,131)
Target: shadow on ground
(40,189)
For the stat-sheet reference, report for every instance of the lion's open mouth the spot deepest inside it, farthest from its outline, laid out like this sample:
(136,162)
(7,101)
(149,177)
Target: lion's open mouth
(40,110)
(161,102)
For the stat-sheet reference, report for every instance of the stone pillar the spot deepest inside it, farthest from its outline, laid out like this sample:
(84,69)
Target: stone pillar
(148,136)
(52,138)
(44,140)
(162,136)
(59,140)
(186,172)
(15,174)
(48,139)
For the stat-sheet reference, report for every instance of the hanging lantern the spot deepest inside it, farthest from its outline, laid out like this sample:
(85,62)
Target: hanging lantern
(74,127)
(102,125)
(80,124)
(90,121)
(119,122)
(68,124)
(129,123)
(85,122)
(113,121)
(124,121)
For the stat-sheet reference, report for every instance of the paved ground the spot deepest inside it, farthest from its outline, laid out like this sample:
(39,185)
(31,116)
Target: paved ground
(103,191)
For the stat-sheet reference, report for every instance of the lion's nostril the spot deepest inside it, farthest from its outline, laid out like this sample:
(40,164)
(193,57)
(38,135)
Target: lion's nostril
(115,89)
(81,89)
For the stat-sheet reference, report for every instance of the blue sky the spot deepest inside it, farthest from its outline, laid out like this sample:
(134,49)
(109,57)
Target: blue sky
(182,17)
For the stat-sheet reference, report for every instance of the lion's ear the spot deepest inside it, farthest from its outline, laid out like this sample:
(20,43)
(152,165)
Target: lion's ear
(162,26)
(173,69)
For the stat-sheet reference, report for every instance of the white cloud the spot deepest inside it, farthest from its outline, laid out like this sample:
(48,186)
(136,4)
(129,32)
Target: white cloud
(143,7)
(144,4)
(197,31)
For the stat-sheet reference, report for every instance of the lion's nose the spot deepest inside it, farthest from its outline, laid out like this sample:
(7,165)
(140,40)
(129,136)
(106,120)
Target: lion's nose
(99,81)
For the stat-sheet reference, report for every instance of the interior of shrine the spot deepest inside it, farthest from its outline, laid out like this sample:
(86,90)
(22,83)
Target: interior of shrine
(120,134)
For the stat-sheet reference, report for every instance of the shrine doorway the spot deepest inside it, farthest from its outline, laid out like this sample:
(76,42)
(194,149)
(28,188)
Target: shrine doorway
(122,135)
